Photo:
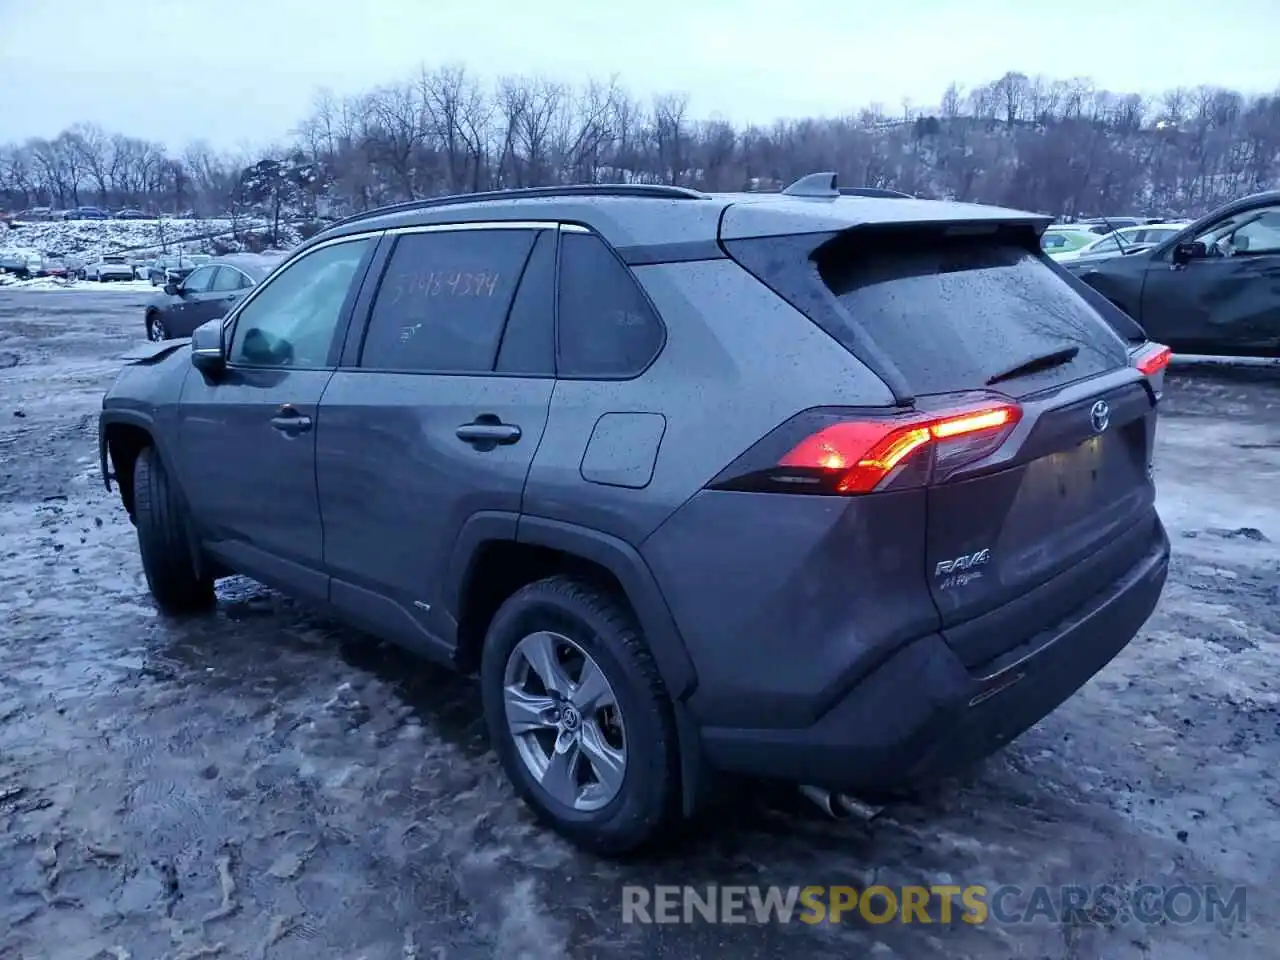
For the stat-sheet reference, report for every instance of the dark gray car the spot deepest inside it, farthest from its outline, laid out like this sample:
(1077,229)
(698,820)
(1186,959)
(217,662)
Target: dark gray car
(1213,288)
(206,293)
(841,491)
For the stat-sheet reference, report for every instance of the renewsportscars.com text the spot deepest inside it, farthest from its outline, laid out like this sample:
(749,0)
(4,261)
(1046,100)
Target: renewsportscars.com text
(940,903)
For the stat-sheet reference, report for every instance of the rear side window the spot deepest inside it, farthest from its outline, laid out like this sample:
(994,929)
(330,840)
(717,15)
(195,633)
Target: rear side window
(606,327)
(949,313)
(443,300)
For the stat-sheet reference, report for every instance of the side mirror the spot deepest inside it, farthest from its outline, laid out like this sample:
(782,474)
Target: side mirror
(208,352)
(172,289)
(1189,250)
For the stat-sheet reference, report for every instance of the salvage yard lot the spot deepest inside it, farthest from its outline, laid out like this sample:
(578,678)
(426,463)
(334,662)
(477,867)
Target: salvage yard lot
(263,783)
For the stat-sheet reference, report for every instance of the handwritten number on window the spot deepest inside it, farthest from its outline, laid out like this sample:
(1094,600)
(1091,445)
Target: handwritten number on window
(443,283)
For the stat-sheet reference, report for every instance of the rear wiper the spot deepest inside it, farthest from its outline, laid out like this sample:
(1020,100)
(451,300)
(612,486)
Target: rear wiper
(1043,362)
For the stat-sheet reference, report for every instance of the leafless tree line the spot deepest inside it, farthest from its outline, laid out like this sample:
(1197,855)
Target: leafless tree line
(1059,146)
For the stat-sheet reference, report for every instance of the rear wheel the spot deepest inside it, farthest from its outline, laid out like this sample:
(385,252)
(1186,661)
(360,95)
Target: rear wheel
(165,541)
(579,716)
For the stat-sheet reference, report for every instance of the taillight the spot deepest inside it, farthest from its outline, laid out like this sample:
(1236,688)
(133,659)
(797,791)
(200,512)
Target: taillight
(1152,358)
(848,453)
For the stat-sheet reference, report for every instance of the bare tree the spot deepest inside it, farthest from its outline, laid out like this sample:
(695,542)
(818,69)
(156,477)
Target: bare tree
(1061,146)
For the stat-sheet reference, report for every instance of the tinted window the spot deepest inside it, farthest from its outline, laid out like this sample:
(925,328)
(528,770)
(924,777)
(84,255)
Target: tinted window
(198,280)
(948,313)
(443,300)
(292,320)
(529,341)
(952,313)
(606,326)
(227,279)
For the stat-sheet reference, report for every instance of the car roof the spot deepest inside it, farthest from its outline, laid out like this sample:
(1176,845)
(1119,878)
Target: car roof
(631,216)
(256,265)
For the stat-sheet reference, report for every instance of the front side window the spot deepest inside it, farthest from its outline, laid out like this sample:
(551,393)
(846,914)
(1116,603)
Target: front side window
(1252,232)
(292,320)
(198,281)
(443,300)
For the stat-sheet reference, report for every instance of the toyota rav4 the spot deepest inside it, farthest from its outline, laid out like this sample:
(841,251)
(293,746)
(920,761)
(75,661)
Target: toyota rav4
(834,490)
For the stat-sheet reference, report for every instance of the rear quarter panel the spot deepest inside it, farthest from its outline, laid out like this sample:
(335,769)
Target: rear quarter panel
(738,361)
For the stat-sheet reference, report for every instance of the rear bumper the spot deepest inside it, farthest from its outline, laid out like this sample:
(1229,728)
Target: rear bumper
(922,714)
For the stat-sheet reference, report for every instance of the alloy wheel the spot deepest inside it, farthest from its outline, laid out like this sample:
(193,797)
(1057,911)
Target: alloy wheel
(565,721)
(155,330)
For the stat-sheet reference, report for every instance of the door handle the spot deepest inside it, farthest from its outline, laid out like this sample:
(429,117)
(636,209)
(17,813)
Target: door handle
(289,421)
(486,433)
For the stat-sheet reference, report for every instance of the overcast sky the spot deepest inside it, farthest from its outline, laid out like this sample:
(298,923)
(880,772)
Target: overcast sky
(243,72)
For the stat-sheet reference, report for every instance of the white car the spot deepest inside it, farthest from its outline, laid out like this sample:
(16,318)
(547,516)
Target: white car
(1125,239)
(109,268)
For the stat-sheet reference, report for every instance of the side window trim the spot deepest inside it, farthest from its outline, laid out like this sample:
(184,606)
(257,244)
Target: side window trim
(344,319)
(362,314)
(635,281)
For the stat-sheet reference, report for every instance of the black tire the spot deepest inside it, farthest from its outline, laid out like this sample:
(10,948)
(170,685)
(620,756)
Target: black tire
(153,323)
(647,806)
(164,540)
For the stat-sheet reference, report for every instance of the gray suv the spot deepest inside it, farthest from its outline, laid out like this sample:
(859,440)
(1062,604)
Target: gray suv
(840,491)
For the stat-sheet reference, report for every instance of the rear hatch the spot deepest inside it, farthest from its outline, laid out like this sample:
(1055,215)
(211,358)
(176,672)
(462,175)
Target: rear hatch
(1022,417)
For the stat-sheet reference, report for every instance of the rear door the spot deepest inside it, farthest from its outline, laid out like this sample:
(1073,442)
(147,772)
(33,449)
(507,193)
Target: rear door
(434,416)
(1056,497)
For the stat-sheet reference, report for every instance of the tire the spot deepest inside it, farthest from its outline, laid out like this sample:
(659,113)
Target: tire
(155,328)
(164,540)
(645,802)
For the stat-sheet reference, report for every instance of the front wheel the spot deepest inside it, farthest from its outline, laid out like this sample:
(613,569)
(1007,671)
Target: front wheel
(155,328)
(165,540)
(579,716)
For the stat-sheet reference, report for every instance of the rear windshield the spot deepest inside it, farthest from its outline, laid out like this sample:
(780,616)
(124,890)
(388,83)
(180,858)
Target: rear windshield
(952,313)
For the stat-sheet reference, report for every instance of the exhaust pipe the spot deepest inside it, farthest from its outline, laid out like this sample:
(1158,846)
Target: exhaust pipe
(841,806)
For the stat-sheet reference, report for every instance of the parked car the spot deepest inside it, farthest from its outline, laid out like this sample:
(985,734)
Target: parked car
(206,293)
(111,267)
(1213,287)
(56,267)
(165,269)
(1102,225)
(558,436)
(86,213)
(129,213)
(1123,240)
(1058,241)
(16,262)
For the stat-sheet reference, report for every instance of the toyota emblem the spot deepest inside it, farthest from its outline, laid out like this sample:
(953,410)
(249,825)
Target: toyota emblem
(1100,416)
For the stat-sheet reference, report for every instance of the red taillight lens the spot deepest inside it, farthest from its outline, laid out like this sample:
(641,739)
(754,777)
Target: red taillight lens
(1152,358)
(858,456)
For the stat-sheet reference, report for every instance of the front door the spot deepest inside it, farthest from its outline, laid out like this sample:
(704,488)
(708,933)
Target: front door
(184,315)
(435,420)
(1227,301)
(247,437)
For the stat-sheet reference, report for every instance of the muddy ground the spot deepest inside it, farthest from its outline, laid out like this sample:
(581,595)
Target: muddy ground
(264,783)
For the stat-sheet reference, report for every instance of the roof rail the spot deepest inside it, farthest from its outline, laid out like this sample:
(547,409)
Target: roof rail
(884,192)
(650,191)
(818,185)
